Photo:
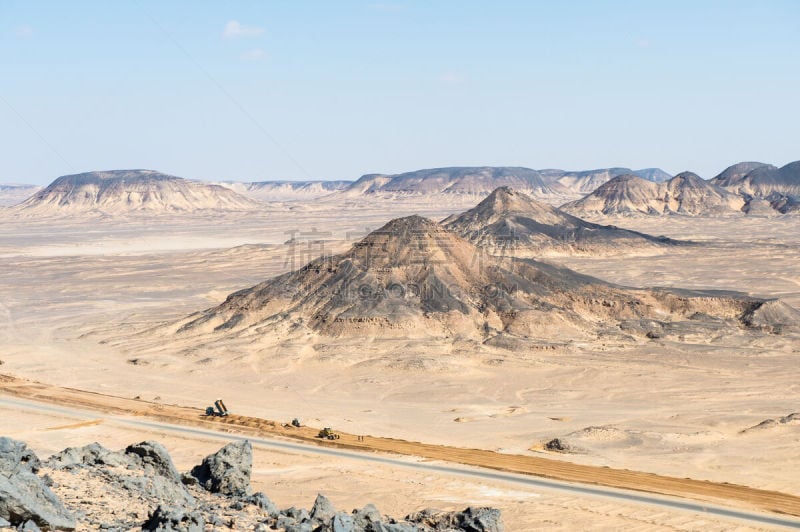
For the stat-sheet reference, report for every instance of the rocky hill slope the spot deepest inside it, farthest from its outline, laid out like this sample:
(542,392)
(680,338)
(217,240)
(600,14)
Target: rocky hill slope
(761,180)
(512,223)
(686,193)
(93,488)
(733,175)
(127,191)
(415,279)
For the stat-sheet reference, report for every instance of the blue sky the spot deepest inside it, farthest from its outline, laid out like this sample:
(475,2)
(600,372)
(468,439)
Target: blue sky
(320,89)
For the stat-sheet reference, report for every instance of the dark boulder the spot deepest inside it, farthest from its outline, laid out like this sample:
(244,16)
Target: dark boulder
(228,470)
(323,510)
(171,519)
(24,496)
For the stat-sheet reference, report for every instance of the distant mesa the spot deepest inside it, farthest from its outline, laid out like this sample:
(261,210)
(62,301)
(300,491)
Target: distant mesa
(12,194)
(414,279)
(456,180)
(128,191)
(287,190)
(686,193)
(587,181)
(512,223)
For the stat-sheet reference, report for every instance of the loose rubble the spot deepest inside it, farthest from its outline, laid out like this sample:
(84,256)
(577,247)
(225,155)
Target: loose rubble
(94,488)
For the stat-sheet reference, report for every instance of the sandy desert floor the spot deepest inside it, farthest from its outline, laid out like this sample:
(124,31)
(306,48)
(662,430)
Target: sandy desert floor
(70,289)
(294,479)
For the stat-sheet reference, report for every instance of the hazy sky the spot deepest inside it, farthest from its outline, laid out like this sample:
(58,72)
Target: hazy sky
(335,89)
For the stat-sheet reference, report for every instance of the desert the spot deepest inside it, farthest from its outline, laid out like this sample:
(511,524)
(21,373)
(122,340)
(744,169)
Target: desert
(104,307)
(399,266)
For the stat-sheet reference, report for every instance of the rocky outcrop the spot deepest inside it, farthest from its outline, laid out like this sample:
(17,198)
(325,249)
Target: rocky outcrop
(472,519)
(414,278)
(124,490)
(228,470)
(24,496)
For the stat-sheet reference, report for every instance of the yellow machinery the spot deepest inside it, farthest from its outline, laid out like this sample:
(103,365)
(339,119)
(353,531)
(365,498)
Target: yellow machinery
(328,434)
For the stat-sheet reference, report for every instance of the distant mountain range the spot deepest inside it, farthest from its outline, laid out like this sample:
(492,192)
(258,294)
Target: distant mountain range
(455,180)
(750,187)
(482,180)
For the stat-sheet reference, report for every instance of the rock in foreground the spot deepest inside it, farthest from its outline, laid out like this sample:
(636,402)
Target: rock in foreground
(227,471)
(140,488)
(24,496)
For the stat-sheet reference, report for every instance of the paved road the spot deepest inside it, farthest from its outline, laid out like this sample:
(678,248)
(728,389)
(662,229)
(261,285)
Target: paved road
(406,462)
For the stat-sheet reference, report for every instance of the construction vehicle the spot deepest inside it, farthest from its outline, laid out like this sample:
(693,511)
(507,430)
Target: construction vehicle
(328,434)
(221,409)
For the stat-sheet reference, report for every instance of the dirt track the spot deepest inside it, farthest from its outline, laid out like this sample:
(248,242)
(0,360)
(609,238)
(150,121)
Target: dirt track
(740,496)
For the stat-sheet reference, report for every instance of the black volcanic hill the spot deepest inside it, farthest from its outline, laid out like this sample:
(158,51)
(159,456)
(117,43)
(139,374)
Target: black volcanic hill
(456,180)
(509,222)
(124,191)
(415,279)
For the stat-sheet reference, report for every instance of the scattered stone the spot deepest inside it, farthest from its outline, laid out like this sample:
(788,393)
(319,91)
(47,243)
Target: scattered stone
(29,526)
(343,522)
(394,527)
(92,454)
(262,501)
(366,517)
(481,520)
(284,521)
(472,519)
(298,514)
(153,455)
(228,470)
(168,519)
(557,445)
(301,527)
